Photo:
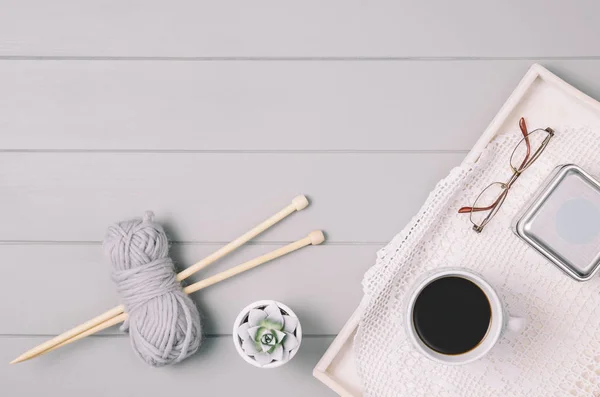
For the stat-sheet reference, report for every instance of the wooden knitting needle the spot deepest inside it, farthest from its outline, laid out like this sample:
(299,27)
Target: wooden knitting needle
(298,203)
(314,238)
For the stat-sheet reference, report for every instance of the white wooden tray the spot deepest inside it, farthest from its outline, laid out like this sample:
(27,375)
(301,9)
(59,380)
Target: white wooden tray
(542,98)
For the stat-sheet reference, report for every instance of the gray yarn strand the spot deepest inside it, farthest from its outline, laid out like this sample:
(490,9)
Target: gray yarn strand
(164,324)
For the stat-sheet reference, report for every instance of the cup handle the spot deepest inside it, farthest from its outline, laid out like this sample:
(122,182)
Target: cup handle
(516,324)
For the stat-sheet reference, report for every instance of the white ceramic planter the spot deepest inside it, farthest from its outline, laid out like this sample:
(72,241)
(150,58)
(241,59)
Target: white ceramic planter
(243,318)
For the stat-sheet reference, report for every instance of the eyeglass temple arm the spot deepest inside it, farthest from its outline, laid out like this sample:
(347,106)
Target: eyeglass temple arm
(523,127)
(466,210)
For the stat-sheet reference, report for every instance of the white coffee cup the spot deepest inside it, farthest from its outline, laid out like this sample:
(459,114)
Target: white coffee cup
(500,320)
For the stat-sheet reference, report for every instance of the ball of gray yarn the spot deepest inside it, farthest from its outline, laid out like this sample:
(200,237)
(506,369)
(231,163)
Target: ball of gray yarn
(164,324)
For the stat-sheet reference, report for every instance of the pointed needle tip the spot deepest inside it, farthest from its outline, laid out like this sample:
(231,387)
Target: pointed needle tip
(17,360)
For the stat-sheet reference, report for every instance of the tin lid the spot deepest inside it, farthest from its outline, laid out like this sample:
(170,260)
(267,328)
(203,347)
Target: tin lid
(563,222)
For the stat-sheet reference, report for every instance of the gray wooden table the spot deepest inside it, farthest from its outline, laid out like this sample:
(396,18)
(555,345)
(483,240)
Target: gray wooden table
(216,114)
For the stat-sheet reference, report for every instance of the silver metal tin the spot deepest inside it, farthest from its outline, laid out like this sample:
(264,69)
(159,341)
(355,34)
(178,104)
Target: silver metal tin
(562,222)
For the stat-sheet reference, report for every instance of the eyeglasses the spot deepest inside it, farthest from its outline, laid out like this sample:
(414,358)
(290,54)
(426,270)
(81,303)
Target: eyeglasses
(490,200)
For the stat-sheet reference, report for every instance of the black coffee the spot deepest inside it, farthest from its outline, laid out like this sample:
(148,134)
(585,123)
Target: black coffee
(452,315)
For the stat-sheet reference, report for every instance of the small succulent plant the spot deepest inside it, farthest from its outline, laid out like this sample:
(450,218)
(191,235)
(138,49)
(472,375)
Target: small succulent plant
(268,335)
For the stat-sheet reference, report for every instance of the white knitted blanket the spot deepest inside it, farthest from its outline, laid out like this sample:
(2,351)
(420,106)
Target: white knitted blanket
(558,353)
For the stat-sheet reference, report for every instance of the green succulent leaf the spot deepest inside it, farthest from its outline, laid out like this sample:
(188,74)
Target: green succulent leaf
(277,353)
(274,314)
(252,332)
(271,324)
(265,348)
(290,324)
(257,338)
(290,342)
(256,316)
(250,348)
(269,339)
(280,336)
(263,358)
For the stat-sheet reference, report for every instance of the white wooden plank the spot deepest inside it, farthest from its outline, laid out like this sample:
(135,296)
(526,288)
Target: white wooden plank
(248,105)
(47,289)
(370,105)
(214,196)
(100,367)
(312,28)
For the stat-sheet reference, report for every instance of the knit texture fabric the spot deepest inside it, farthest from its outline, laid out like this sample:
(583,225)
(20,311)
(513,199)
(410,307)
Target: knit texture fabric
(558,352)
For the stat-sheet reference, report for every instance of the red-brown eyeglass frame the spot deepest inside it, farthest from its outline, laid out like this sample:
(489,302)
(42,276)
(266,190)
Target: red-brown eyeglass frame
(527,161)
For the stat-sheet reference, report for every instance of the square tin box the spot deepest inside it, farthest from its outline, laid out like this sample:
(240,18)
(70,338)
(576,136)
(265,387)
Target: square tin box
(562,221)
